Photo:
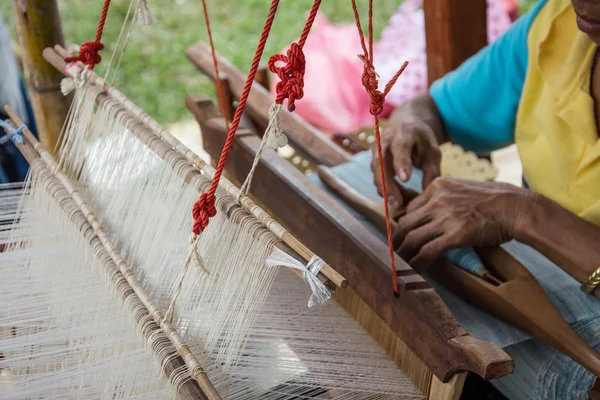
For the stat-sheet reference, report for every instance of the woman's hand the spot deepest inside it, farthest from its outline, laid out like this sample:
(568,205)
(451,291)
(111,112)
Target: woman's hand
(453,213)
(411,138)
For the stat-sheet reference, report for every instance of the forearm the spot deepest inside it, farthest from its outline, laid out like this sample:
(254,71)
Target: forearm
(563,237)
(422,108)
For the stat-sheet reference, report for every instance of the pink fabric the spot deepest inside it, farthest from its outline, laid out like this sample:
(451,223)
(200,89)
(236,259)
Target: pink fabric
(334,98)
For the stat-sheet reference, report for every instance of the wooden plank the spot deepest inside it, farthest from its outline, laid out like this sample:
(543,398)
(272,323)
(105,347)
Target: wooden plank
(304,137)
(450,390)
(418,316)
(38,27)
(454,31)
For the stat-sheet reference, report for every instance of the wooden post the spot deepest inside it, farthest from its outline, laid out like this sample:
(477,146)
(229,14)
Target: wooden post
(262,77)
(454,31)
(38,27)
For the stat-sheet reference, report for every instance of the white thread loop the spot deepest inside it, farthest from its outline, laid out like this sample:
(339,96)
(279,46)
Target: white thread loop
(320,292)
(75,80)
(274,134)
(145,14)
(273,138)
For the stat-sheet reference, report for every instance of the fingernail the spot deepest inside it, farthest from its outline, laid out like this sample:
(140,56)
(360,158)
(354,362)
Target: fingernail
(393,202)
(403,174)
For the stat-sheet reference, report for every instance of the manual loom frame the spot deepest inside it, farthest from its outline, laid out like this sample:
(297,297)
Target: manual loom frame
(417,330)
(429,359)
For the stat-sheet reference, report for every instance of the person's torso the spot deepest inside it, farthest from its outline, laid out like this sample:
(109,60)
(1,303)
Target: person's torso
(556,130)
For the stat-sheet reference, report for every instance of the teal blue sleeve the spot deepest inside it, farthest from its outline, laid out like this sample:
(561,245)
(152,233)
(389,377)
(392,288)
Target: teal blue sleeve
(478,101)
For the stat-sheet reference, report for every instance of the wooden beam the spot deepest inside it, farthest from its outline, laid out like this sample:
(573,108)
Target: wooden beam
(419,316)
(454,31)
(305,139)
(38,27)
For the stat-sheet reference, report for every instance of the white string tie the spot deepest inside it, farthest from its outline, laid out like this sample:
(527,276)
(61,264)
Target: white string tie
(320,292)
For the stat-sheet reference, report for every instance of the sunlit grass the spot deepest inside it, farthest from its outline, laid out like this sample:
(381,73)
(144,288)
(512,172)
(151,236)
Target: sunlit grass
(155,72)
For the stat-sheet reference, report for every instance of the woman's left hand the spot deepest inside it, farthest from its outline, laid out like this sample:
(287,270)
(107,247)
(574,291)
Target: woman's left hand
(453,213)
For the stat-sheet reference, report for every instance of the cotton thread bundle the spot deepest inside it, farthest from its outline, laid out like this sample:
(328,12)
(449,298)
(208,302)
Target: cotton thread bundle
(33,151)
(143,200)
(190,318)
(294,353)
(199,165)
(64,334)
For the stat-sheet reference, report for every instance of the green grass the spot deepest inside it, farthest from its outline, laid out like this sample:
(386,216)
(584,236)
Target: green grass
(155,73)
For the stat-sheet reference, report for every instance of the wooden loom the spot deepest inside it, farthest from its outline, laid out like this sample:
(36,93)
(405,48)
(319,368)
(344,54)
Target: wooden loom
(353,245)
(179,356)
(439,344)
(443,349)
(66,194)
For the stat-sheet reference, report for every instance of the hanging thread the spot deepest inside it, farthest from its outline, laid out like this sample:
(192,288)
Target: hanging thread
(377,101)
(145,14)
(88,52)
(273,138)
(204,208)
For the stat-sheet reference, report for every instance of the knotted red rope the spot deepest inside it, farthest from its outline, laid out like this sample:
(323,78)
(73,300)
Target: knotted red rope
(204,208)
(291,75)
(371,84)
(88,52)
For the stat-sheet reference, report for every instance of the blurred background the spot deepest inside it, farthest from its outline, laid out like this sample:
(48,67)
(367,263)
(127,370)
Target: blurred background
(155,73)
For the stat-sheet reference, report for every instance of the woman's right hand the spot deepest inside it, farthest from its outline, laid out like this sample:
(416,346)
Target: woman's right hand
(411,139)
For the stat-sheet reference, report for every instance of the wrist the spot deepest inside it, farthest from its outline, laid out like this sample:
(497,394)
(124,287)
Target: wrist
(530,211)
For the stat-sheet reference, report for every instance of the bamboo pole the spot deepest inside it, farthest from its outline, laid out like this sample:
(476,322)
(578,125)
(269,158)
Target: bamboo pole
(184,351)
(38,26)
(55,57)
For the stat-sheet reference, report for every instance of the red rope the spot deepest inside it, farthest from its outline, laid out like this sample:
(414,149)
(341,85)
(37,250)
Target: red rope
(291,75)
(88,52)
(204,208)
(371,84)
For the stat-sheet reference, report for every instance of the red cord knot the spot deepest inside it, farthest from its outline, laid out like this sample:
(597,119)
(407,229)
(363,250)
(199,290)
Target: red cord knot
(291,75)
(203,210)
(371,84)
(88,54)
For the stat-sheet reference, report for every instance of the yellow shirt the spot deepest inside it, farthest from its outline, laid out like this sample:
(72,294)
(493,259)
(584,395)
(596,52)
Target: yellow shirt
(555,128)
